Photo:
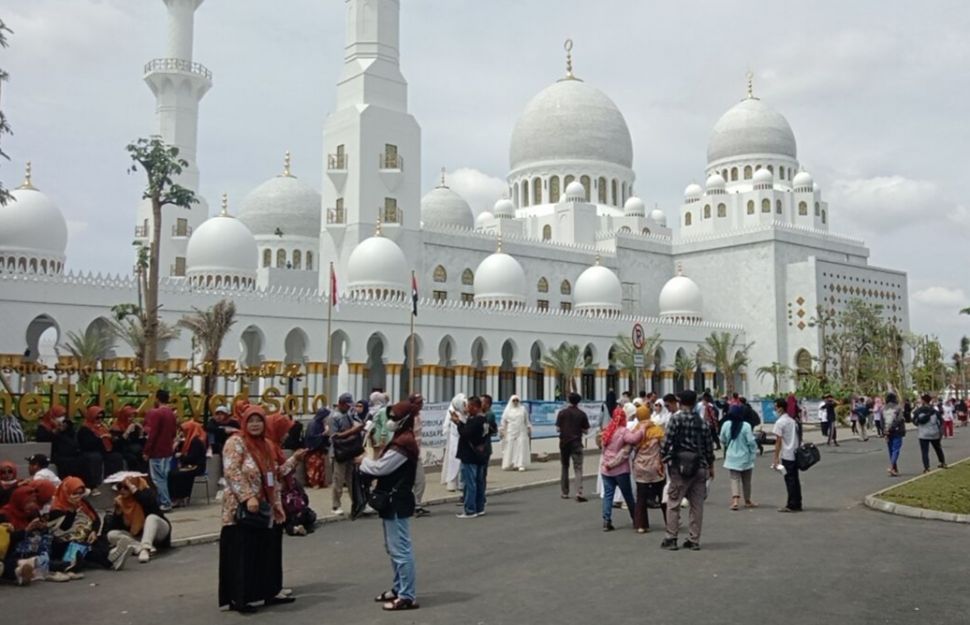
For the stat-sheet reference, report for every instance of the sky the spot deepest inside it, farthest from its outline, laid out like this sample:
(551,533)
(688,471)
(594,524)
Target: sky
(876,91)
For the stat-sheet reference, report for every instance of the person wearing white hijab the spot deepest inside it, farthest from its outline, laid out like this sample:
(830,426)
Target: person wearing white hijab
(660,415)
(516,433)
(450,464)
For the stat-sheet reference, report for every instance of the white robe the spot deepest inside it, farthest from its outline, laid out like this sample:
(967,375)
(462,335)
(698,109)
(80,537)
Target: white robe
(450,464)
(516,450)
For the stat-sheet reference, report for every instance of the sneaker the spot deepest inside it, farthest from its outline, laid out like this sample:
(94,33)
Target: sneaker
(785,509)
(670,544)
(482,513)
(466,516)
(521,469)
(337,511)
(564,496)
(120,552)
(608,526)
(421,511)
(144,556)
(942,465)
(690,544)
(581,499)
(642,530)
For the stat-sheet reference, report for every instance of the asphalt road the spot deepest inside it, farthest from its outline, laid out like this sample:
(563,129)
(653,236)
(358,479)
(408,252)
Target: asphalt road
(538,559)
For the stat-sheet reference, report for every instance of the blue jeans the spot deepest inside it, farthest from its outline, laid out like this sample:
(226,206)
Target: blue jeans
(610,483)
(894,444)
(397,543)
(473,476)
(159,468)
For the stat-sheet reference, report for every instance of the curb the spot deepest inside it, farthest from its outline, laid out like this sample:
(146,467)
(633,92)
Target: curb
(875,503)
(203,539)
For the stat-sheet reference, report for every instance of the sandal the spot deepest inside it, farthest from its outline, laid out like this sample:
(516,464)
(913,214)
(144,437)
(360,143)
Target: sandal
(400,604)
(386,597)
(750,504)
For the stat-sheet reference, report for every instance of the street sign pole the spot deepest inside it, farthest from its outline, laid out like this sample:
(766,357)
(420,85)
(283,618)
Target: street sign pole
(638,338)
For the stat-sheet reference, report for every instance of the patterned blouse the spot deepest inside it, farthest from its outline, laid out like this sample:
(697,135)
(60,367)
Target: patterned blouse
(243,478)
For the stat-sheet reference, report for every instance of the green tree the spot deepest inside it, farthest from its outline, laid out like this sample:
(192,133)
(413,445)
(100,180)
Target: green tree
(929,369)
(4,126)
(624,352)
(684,366)
(778,373)
(209,329)
(726,353)
(964,348)
(131,330)
(565,360)
(89,348)
(162,165)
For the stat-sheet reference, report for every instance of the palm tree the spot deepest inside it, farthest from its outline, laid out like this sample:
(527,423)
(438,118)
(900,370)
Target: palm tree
(684,367)
(777,372)
(131,330)
(565,360)
(724,352)
(964,348)
(89,348)
(623,352)
(209,329)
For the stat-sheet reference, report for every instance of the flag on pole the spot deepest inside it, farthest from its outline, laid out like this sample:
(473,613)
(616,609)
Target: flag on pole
(334,299)
(414,295)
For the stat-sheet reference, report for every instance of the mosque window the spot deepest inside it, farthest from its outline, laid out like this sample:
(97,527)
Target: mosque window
(543,285)
(707,211)
(778,206)
(751,207)
(771,168)
(802,208)
(440,275)
(281,258)
(623,196)
(553,189)
(789,173)
(391,159)
(391,215)
(467,277)
(601,190)
(525,193)
(565,288)
(567,306)
(181,227)
(542,304)
(468,297)
(734,174)
(687,219)
(585,181)
(625,229)
(297,259)
(179,266)
(645,231)
(267,258)
(515,194)
(766,205)
(567,180)
(309,261)
(747,172)
(823,216)
(439,296)
(537,190)
(547,232)
(721,210)
(724,174)
(613,191)
(818,210)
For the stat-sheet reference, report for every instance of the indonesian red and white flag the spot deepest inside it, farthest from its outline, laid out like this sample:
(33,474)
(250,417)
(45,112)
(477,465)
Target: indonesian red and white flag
(334,298)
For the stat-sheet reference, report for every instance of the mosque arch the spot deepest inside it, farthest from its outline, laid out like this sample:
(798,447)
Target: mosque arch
(818,211)
(724,174)
(645,231)
(553,189)
(747,172)
(409,361)
(468,277)
(766,205)
(687,218)
(778,207)
(440,274)
(751,207)
(295,346)
(802,209)
(585,181)
(376,370)
(823,215)
(33,265)
(547,232)
(565,288)
(251,343)
(536,371)
(101,326)
(525,193)
(567,179)
(537,191)
(601,189)
(587,382)
(479,373)
(506,371)
(771,168)
(613,186)
(656,375)
(707,211)
(623,197)
(446,364)
(297,259)
(43,265)
(803,364)
(722,210)
(281,258)
(267,257)
(543,285)
(309,260)
(734,174)
(41,326)
(625,229)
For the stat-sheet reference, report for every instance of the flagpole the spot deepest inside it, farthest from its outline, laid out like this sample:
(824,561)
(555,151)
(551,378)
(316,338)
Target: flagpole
(411,347)
(326,378)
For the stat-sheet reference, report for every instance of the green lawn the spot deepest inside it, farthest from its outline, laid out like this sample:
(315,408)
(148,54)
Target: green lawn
(947,491)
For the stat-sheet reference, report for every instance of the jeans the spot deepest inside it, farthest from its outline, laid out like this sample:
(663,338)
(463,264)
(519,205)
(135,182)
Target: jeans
(924,449)
(397,543)
(571,452)
(894,444)
(832,435)
(159,468)
(792,484)
(473,475)
(610,483)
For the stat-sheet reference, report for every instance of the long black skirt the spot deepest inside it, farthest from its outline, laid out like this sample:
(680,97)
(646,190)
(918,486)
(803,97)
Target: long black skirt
(250,565)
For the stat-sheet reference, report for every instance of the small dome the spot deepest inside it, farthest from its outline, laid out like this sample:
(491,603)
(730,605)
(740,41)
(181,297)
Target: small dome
(763,177)
(598,290)
(803,181)
(222,252)
(634,207)
(484,217)
(377,269)
(443,207)
(714,183)
(500,282)
(570,120)
(693,192)
(681,300)
(751,127)
(32,226)
(575,192)
(282,204)
(659,217)
(504,209)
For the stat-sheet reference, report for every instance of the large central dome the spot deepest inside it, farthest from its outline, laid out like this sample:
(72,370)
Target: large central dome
(751,127)
(570,120)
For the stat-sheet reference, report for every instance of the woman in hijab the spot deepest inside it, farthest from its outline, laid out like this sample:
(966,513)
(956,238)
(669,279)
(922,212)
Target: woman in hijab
(250,553)
(395,471)
(615,462)
(97,446)
(138,522)
(191,458)
(317,446)
(55,428)
(28,554)
(516,434)
(648,469)
(129,438)
(740,448)
(76,528)
(450,465)
(8,481)
(611,402)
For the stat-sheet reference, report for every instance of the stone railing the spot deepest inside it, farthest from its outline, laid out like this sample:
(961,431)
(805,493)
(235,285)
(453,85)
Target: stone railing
(178,65)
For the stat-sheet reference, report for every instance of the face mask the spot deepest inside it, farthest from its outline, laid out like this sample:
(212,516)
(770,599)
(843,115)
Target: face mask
(59,420)
(394,426)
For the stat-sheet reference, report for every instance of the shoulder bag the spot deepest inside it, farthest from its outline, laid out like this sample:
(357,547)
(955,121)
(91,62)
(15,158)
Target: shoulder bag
(261,519)
(807,455)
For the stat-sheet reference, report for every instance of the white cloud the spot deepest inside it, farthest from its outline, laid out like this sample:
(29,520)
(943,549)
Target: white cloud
(941,297)
(479,189)
(886,203)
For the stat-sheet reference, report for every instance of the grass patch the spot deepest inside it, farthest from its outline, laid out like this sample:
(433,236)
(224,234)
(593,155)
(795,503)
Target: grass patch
(946,491)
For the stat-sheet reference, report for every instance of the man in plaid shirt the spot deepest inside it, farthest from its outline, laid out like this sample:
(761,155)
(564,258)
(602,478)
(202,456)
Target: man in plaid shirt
(688,432)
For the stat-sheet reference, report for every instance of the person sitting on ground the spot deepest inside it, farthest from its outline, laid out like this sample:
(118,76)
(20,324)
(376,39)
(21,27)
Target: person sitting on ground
(191,463)
(38,466)
(28,553)
(97,446)
(220,427)
(8,481)
(55,428)
(129,438)
(76,528)
(138,522)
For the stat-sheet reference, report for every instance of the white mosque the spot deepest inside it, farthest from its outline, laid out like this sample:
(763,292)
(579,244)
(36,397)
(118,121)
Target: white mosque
(570,254)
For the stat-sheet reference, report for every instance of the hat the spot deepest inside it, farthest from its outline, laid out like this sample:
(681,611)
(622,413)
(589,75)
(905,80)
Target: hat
(345,398)
(224,409)
(40,460)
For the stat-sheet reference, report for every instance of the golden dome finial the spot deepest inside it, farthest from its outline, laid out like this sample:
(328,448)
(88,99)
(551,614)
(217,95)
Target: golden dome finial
(443,172)
(750,77)
(224,212)
(377,230)
(568,47)
(498,249)
(597,259)
(286,165)
(28,183)
(680,268)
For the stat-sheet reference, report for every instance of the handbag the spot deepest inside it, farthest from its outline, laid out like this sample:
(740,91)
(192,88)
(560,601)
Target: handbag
(807,455)
(261,519)
(347,448)
(688,462)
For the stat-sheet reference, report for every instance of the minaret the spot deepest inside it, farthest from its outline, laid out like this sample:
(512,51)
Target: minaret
(178,84)
(372,145)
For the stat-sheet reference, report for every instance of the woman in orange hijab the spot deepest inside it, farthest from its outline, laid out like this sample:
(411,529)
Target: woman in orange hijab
(97,446)
(76,527)
(138,522)
(129,438)
(191,458)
